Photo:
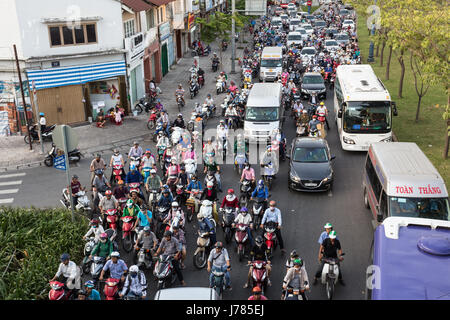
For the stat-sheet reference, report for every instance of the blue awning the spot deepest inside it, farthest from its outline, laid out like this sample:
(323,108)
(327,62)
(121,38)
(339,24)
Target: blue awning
(58,77)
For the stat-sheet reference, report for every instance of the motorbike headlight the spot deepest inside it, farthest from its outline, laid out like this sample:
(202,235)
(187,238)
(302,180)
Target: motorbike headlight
(348,140)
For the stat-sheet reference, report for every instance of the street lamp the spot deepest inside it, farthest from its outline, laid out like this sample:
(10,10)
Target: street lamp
(370,58)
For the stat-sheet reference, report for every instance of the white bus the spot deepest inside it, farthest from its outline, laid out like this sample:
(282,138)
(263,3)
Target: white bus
(363,107)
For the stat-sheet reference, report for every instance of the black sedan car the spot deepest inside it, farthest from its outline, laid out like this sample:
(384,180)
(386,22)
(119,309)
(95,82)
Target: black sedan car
(312,82)
(310,166)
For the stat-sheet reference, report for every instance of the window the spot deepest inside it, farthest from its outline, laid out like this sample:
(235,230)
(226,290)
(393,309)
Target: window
(150,19)
(158,16)
(128,27)
(65,36)
(383,205)
(375,183)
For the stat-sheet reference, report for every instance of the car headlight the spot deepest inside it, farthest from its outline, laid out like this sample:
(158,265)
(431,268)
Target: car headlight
(294,177)
(348,140)
(328,178)
(387,140)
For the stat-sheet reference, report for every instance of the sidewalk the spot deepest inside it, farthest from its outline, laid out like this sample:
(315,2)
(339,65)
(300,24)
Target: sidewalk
(16,154)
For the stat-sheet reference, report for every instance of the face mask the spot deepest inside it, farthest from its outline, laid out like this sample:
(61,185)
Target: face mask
(133,274)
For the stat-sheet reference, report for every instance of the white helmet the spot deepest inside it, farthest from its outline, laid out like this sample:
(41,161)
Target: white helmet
(206,203)
(174,204)
(115,254)
(134,268)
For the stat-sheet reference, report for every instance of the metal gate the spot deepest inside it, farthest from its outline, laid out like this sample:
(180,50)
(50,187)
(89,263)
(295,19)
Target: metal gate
(164,59)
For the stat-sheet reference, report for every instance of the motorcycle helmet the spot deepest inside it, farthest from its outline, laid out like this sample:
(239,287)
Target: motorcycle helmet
(174,204)
(293,254)
(322,103)
(103,237)
(120,182)
(160,133)
(209,185)
(304,111)
(230,191)
(74,176)
(41,114)
(167,233)
(129,203)
(134,269)
(256,290)
(328,226)
(173,161)
(244,209)
(89,284)
(153,171)
(108,192)
(147,229)
(116,152)
(132,167)
(94,222)
(98,172)
(298,262)
(218,245)
(332,235)
(148,151)
(200,217)
(260,183)
(206,202)
(259,240)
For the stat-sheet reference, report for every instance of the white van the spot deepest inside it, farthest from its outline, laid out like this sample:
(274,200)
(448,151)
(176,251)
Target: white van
(263,113)
(271,63)
(294,38)
(400,181)
(276,22)
(293,23)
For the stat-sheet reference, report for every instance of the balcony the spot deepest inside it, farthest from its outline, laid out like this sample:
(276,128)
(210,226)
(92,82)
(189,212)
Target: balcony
(135,46)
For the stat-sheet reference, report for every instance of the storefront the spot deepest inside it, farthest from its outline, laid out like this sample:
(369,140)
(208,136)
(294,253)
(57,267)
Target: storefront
(74,94)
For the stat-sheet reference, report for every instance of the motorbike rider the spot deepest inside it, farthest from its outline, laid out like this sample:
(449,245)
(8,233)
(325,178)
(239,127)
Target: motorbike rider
(68,273)
(133,176)
(42,121)
(224,79)
(210,103)
(215,59)
(230,201)
(179,122)
(195,184)
(303,119)
(117,160)
(180,93)
(91,293)
(330,249)
(248,173)
(95,228)
(121,191)
(325,234)
(99,184)
(171,246)
(257,294)
(131,210)
(166,199)
(261,191)
(159,106)
(108,202)
(210,193)
(135,285)
(312,125)
(172,173)
(173,212)
(296,278)
(279,139)
(75,187)
(198,109)
(274,214)
(146,239)
(164,121)
(213,167)
(269,156)
(178,234)
(206,225)
(322,109)
(209,149)
(97,164)
(259,252)
(135,151)
(153,182)
(103,248)
(244,218)
(219,258)
(297,108)
(148,161)
(117,268)
(230,112)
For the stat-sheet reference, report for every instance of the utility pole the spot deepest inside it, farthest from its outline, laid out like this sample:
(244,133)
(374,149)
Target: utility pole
(370,58)
(233,36)
(36,109)
(23,97)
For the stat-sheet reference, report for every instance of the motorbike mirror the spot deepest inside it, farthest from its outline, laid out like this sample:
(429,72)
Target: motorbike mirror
(394,108)
(333,157)
(340,113)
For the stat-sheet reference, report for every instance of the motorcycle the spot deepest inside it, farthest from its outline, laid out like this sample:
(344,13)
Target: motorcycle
(269,173)
(74,156)
(159,127)
(142,105)
(161,150)
(224,45)
(219,86)
(83,203)
(330,275)
(111,288)
(88,247)
(136,161)
(190,167)
(292,294)
(144,258)
(153,199)
(201,254)
(151,123)
(313,132)
(97,264)
(270,236)
(193,90)
(191,124)
(175,137)
(111,220)
(194,195)
(179,194)
(180,103)
(134,187)
(259,274)
(117,173)
(122,203)
(164,271)
(218,279)
(47,134)
(59,292)
(128,236)
(162,213)
(215,65)
(241,237)
(146,172)
(227,221)
(201,81)
(239,162)
(246,192)
(302,130)
(321,116)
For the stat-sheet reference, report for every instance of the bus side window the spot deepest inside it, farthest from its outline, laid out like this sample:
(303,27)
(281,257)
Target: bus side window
(374,182)
(383,205)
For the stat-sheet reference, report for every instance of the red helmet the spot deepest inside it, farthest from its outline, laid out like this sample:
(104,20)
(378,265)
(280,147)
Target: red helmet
(108,192)
(230,191)
(104,235)
(256,289)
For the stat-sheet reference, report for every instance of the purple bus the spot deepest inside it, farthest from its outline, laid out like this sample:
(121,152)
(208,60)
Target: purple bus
(411,260)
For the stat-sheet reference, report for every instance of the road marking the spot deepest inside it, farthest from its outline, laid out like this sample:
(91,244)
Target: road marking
(10,200)
(9,191)
(13,175)
(10,183)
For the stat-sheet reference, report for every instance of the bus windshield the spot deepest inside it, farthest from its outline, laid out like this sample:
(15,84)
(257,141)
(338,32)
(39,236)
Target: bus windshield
(261,114)
(271,63)
(429,208)
(367,117)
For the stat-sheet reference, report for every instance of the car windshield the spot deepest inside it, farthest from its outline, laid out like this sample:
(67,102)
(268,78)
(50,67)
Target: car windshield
(342,37)
(308,27)
(261,114)
(276,23)
(348,22)
(294,37)
(308,51)
(284,17)
(331,43)
(302,31)
(343,11)
(312,79)
(367,117)
(319,23)
(429,208)
(271,63)
(295,22)
(302,154)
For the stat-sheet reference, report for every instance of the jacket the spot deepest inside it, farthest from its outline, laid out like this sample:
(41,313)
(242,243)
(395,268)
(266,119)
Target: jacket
(290,276)
(103,249)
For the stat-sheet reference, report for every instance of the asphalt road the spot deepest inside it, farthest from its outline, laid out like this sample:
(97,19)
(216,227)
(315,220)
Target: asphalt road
(303,216)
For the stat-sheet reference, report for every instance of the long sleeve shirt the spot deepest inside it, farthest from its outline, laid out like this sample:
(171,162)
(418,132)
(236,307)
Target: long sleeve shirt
(270,215)
(136,285)
(290,276)
(69,271)
(241,219)
(233,203)
(260,193)
(96,231)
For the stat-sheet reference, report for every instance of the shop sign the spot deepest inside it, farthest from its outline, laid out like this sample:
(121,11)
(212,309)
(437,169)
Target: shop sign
(164,31)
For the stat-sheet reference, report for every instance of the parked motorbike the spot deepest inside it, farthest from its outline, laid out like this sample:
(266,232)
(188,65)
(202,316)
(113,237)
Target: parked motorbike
(74,156)
(47,134)
(83,202)
(142,105)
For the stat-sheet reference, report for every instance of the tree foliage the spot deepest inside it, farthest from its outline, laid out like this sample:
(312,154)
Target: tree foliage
(218,26)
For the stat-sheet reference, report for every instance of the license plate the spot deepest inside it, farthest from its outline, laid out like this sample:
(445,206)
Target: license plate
(311,184)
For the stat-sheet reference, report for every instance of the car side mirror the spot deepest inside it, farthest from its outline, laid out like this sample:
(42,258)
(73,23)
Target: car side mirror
(394,108)
(379,218)
(340,113)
